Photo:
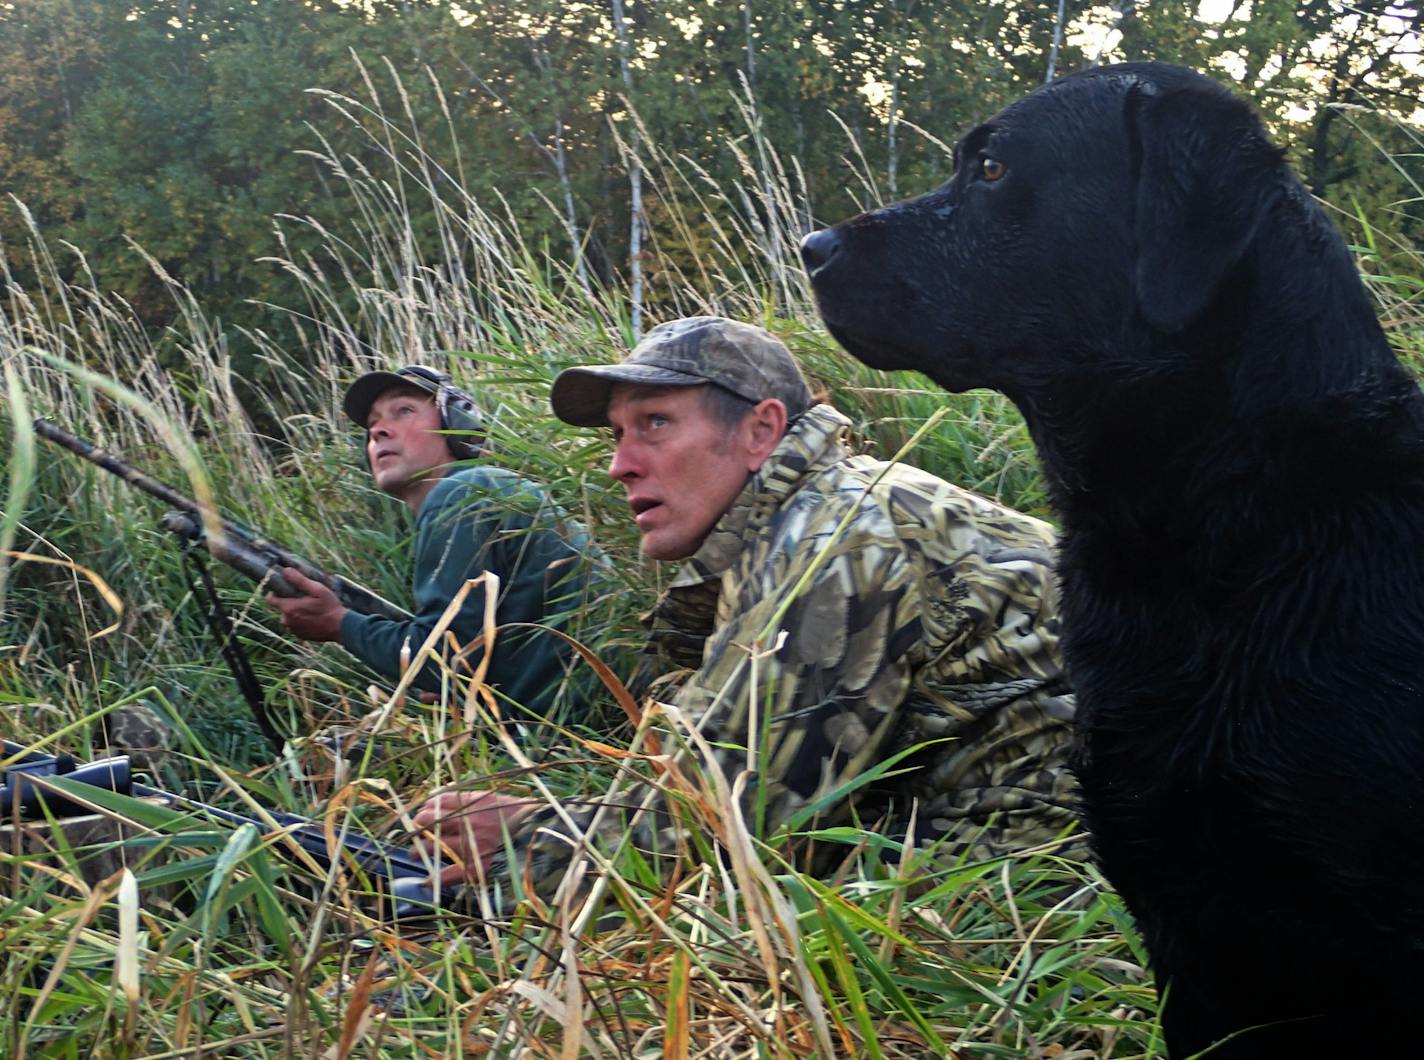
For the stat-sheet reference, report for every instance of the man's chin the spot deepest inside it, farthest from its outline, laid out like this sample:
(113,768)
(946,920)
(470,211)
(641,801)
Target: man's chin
(396,480)
(666,551)
(391,481)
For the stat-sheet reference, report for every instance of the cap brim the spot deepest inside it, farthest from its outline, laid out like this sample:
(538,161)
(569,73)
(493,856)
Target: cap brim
(580,395)
(362,394)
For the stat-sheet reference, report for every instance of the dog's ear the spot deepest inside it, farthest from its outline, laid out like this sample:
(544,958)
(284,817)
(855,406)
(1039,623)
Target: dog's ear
(1203,171)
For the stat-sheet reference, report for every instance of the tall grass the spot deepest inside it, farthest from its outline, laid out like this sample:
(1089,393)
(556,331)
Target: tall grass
(243,950)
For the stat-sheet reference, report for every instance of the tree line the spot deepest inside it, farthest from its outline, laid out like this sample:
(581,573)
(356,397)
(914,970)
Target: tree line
(199,130)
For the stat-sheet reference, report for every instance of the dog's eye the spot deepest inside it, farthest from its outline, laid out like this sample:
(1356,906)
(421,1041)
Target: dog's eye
(991,169)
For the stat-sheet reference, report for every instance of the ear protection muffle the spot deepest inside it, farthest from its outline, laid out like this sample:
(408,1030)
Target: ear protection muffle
(458,410)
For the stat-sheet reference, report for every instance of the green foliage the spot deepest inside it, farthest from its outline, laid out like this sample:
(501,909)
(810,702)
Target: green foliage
(183,125)
(417,221)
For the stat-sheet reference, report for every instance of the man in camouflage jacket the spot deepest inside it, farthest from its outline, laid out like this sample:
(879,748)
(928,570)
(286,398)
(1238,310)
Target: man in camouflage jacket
(834,611)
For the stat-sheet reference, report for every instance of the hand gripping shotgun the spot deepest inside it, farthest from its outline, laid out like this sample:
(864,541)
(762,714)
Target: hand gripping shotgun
(242,548)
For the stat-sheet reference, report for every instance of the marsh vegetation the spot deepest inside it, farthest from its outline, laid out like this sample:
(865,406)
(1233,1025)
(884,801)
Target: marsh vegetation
(241,948)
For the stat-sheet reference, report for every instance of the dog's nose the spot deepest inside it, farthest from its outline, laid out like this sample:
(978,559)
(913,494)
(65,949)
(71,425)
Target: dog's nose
(820,247)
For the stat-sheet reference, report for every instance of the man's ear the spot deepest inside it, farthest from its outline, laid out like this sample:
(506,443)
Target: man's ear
(1205,170)
(764,427)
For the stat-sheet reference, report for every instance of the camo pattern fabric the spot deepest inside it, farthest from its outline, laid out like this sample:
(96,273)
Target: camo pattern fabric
(137,730)
(931,616)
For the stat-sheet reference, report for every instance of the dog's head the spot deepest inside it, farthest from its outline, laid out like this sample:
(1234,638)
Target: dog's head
(1094,214)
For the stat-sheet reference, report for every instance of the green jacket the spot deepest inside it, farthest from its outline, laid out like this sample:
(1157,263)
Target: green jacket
(932,616)
(479,519)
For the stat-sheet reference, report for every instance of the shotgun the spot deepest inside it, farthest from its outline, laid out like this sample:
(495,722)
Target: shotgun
(242,548)
(26,792)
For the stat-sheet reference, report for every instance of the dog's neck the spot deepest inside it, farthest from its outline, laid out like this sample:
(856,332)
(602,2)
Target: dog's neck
(1301,339)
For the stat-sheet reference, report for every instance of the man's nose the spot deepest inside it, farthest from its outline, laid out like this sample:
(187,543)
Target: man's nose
(624,465)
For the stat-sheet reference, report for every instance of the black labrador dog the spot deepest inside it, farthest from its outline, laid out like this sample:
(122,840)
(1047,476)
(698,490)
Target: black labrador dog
(1238,461)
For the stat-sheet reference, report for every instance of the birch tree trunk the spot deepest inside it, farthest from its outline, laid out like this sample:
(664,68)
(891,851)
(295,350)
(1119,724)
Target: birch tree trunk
(891,148)
(1057,42)
(557,158)
(561,166)
(898,37)
(751,44)
(635,182)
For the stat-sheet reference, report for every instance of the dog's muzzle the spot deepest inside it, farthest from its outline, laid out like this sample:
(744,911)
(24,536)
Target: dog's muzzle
(818,248)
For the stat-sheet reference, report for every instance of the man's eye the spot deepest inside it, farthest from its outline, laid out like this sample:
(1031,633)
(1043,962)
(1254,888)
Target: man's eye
(991,169)
(657,421)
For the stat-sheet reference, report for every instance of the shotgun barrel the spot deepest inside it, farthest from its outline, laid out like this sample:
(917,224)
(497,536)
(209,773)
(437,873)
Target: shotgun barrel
(241,547)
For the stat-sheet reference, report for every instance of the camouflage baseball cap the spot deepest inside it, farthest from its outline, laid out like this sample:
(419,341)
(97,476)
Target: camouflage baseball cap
(749,361)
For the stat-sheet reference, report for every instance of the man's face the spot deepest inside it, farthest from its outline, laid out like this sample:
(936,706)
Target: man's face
(681,468)
(401,444)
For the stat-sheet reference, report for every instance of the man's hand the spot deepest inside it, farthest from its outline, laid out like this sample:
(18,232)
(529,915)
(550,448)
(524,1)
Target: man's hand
(470,825)
(315,615)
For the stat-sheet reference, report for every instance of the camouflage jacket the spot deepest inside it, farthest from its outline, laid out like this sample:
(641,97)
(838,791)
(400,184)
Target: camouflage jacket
(927,624)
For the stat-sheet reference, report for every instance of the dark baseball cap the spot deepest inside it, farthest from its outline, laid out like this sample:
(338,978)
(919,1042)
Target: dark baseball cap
(747,360)
(362,394)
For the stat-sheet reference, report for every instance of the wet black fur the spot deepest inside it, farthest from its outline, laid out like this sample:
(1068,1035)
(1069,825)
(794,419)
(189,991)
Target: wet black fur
(1236,456)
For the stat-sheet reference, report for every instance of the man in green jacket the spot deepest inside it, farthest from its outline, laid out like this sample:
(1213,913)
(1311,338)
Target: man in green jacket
(834,612)
(470,518)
